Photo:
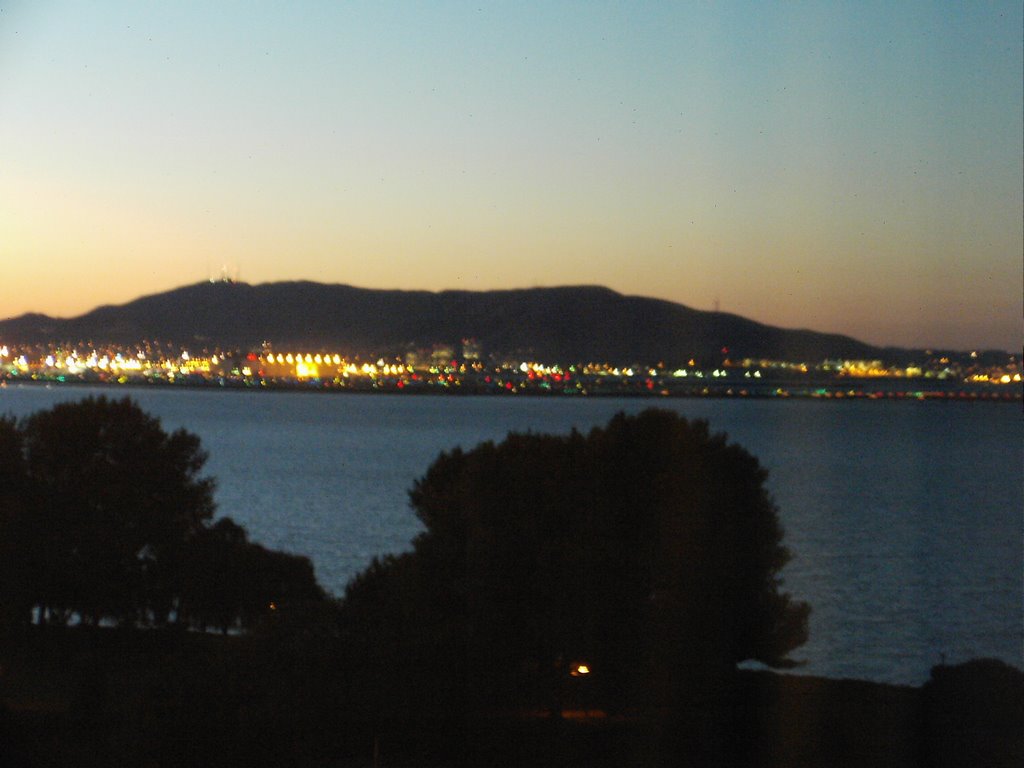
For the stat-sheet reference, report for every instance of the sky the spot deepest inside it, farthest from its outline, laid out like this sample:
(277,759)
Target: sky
(845,167)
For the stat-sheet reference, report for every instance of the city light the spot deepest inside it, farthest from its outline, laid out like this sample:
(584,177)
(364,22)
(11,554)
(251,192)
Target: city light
(441,370)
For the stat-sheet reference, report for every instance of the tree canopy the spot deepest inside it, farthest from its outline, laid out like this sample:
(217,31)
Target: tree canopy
(111,519)
(648,549)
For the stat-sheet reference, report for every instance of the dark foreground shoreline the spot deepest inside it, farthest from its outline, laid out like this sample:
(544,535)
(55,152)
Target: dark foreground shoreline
(165,698)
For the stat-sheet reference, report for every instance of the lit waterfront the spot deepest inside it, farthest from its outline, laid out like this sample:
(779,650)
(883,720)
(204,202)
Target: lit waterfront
(439,370)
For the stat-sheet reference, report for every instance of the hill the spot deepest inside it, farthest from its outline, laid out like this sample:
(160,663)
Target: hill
(96,696)
(565,324)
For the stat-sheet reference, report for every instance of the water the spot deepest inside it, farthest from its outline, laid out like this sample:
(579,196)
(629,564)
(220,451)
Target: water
(905,518)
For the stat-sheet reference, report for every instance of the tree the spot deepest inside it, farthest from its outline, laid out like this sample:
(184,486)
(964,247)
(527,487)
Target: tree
(648,549)
(232,582)
(15,496)
(119,498)
(110,519)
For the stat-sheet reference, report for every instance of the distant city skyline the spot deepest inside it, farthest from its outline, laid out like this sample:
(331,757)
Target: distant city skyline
(844,167)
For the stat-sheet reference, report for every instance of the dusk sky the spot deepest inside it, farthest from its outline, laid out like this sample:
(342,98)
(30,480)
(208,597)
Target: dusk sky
(849,167)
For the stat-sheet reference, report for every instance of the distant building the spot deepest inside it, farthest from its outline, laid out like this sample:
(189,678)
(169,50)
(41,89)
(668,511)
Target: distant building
(471,349)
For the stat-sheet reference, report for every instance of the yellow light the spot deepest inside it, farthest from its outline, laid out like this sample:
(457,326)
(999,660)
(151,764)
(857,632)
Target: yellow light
(306,370)
(579,670)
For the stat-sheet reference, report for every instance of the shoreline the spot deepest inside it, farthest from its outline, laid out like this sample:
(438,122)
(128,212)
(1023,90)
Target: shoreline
(888,389)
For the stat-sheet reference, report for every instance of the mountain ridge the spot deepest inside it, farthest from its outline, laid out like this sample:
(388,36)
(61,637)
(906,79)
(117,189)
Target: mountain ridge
(583,323)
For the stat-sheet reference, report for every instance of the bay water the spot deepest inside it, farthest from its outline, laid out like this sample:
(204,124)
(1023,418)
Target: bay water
(905,518)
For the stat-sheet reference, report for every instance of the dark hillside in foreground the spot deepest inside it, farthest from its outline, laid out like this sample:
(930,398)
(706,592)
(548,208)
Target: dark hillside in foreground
(108,697)
(567,324)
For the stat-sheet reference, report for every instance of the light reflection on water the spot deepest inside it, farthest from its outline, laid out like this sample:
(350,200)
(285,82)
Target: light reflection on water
(905,518)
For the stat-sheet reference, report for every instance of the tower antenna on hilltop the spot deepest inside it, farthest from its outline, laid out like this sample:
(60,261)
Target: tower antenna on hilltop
(718,306)
(228,274)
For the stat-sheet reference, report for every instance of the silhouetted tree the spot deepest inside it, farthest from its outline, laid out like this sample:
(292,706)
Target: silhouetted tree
(109,517)
(15,498)
(119,499)
(649,550)
(231,583)
(216,579)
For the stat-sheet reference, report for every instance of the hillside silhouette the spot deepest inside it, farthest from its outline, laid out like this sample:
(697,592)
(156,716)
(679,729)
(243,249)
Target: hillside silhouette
(564,324)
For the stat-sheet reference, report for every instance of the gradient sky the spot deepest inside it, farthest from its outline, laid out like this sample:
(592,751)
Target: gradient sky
(851,167)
